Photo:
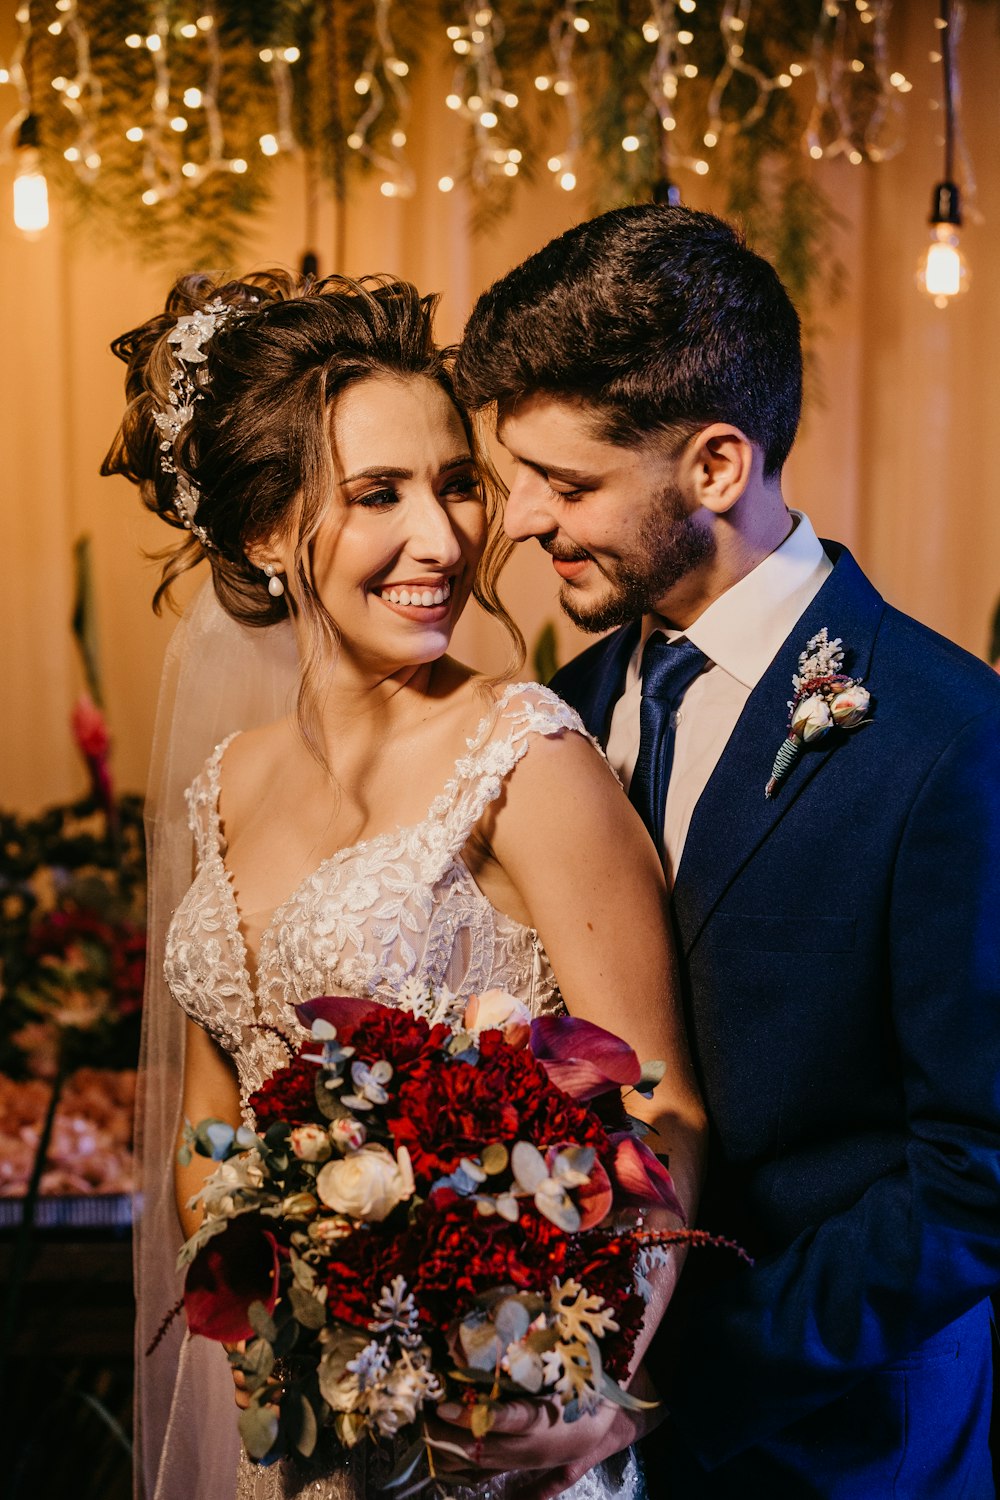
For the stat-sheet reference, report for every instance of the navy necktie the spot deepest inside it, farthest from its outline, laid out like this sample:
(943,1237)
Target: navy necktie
(668,669)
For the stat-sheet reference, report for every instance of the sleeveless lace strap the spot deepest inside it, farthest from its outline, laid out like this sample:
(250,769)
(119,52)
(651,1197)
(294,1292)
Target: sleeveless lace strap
(500,741)
(202,798)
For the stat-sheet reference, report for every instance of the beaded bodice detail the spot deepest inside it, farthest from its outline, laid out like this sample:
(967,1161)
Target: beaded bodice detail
(395,913)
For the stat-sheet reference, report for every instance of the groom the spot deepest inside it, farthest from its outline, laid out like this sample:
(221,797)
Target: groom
(838,939)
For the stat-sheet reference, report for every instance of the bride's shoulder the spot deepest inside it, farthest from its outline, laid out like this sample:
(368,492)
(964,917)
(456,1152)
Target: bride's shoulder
(246,763)
(525,708)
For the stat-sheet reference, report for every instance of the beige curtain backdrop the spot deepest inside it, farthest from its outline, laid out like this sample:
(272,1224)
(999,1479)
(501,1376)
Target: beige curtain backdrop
(896,462)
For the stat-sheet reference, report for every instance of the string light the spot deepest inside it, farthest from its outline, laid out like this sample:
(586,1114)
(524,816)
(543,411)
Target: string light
(479,96)
(381,80)
(21,138)
(564,35)
(942,272)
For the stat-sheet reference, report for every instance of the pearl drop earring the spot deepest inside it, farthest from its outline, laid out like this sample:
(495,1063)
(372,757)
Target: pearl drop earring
(275,585)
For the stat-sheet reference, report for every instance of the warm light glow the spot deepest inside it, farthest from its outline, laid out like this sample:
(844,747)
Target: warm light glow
(943,273)
(178,123)
(710,138)
(701,167)
(510,168)
(134,133)
(454,101)
(398,138)
(581,23)
(269,145)
(511,101)
(31,193)
(150,196)
(691,69)
(630,143)
(685,38)
(189,169)
(238,165)
(192,98)
(815,152)
(292,54)
(555,163)
(355,141)
(72,153)
(562,86)
(388,189)
(542,83)
(445,184)
(153,43)
(650,31)
(488,119)
(568,181)
(795,69)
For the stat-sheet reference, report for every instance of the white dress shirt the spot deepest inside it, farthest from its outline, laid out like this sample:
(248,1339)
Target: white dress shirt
(740,634)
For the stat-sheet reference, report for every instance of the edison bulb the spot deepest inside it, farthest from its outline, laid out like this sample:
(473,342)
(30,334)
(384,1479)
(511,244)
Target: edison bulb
(943,273)
(31,193)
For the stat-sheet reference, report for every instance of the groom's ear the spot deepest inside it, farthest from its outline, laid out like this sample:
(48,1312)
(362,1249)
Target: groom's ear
(716,466)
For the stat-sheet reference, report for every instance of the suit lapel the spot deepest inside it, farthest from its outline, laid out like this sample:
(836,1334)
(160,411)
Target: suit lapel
(733,817)
(601,680)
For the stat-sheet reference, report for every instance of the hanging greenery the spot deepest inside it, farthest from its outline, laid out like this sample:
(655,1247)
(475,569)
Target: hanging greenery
(161,122)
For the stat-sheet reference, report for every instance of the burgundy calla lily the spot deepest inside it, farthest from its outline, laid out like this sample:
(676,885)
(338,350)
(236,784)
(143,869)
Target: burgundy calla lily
(234,1269)
(582,1059)
(339,1010)
(641,1180)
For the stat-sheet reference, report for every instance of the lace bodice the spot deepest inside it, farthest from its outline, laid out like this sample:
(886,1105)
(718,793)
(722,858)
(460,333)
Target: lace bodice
(395,908)
(386,918)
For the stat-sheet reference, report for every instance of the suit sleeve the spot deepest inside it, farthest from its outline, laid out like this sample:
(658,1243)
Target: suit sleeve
(922,1246)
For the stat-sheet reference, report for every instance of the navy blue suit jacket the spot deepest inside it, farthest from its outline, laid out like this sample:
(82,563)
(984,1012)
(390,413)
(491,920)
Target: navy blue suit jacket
(840,960)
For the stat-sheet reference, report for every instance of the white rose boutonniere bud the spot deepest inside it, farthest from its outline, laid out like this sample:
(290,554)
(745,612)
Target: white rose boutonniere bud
(850,706)
(310,1143)
(367,1184)
(811,719)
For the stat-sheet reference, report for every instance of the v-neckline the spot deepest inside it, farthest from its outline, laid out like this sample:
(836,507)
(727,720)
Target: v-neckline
(250,978)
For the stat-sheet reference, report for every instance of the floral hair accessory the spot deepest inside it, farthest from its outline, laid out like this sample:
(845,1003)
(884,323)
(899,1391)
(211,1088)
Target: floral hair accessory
(824,698)
(190,334)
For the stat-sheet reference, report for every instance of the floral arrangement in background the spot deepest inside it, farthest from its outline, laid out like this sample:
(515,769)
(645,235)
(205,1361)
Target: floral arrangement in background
(72,965)
(440,1201)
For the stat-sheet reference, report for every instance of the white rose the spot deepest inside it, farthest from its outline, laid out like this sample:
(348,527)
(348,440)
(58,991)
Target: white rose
(326,1232)
(310,1143)
(348,1134)
(494,1010)
(229,1178)
(367,1184)
(850,706)
(811,718)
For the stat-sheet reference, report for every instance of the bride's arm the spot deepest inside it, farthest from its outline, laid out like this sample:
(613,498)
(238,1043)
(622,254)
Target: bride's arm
(210,1091)
(582,868)
(582,865)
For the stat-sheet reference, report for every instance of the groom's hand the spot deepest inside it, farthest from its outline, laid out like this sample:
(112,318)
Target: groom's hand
(531,1435)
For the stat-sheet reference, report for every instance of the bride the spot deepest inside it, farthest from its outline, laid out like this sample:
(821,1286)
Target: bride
(403,818)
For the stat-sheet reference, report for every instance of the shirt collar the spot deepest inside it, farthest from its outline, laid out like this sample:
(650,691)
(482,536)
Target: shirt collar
(744,628)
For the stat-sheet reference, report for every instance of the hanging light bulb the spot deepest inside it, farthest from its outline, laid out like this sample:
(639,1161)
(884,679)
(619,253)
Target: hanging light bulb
(943,273)
(31,192)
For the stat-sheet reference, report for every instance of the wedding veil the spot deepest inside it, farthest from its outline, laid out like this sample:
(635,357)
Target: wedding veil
(218,676)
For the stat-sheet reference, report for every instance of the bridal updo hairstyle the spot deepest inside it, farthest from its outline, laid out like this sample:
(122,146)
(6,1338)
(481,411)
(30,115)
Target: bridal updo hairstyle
(258,442)
(660,319)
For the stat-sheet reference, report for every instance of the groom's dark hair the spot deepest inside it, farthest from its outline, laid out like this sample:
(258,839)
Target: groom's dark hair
(660,318)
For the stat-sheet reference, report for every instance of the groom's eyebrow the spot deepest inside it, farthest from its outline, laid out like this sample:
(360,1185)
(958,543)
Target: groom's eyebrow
(386,471)
(556,471)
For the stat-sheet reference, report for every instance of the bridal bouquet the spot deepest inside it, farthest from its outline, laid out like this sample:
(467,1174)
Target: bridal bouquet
(428,1211)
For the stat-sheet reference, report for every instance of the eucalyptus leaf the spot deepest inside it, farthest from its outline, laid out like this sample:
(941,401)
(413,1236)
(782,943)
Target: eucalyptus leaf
(480,1345)
(308,1309)
(495,1158)
(308,1428)
(286,1338)
(259,1358)
(259,1429)
(511,1320)
(261,1321)
(528,1166)
(481,1419)
(525,1367)
(405,1465)
(612,1391)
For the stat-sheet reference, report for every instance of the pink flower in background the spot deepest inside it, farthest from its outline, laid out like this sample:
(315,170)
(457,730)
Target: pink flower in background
(90,728)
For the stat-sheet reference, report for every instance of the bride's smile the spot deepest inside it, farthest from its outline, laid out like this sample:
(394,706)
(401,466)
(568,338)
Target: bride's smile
(395,557)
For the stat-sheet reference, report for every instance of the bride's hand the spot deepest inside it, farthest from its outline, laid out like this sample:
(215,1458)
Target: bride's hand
(530,1435)
(239,1379)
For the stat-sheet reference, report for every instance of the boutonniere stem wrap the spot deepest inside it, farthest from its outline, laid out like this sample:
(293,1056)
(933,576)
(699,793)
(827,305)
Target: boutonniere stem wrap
(825,698)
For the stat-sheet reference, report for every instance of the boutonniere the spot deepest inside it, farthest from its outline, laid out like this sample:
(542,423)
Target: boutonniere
(824,699)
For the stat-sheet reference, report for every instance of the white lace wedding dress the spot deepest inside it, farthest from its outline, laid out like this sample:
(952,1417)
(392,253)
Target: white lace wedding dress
(399,906)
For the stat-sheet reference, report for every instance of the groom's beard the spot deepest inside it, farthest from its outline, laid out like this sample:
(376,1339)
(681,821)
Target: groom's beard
(668,547)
